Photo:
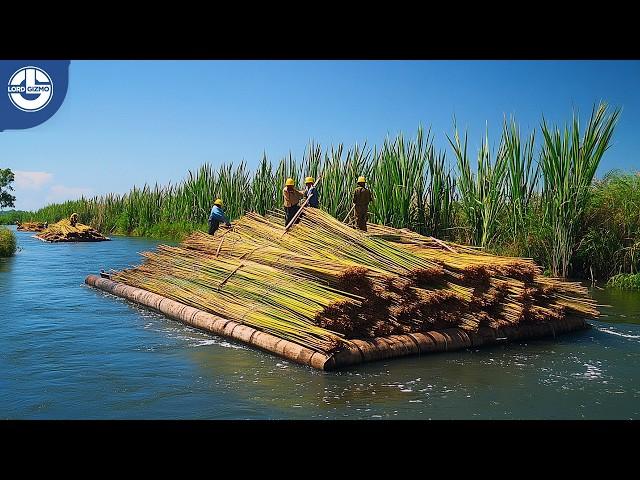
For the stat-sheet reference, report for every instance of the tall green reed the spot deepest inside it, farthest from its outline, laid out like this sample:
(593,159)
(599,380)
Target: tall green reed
(440,195)
(569,162)
(398,182)
(481,192)
(522,178)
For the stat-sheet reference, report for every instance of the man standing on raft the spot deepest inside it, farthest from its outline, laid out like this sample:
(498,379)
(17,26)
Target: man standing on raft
(291,199)
(217,215)
(311,192)
(361,199)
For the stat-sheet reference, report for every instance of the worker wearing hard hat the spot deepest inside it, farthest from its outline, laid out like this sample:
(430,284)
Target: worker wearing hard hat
(216,216)
(361,199)
(292,197)
(311,192)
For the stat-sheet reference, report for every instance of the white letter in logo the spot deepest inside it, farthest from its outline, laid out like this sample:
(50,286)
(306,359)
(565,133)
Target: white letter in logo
(30,89)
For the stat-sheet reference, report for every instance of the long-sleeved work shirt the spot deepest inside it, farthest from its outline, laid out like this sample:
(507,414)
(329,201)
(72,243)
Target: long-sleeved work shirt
(362,197)
(218,215)
(292,197)
(312,194)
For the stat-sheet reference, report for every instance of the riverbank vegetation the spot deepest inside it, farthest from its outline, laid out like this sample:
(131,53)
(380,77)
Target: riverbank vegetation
(625,280)
(10,217)
(533,195)
(7,242)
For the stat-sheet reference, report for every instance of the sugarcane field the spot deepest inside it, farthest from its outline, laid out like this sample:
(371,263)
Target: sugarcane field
(481,267)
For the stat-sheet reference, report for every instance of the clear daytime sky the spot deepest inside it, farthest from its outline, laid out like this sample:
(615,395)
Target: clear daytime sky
(124,123)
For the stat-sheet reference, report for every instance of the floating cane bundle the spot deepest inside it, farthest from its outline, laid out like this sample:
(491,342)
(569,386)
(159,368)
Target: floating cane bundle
(64,232)
(323,283)
(30,227)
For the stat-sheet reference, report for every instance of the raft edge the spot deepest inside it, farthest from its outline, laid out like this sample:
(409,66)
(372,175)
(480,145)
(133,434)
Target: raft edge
(361,350)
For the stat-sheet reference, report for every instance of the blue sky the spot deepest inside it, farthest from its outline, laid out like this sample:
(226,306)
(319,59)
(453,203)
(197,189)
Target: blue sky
(130,122)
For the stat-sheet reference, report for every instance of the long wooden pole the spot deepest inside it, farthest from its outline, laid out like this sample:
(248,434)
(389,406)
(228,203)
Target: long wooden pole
(221,240)
(442,244)
(347,217)
(229,276)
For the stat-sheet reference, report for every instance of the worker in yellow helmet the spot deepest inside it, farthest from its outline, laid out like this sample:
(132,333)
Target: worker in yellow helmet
(311,192)
(292,197)
(361,199)
(216,216)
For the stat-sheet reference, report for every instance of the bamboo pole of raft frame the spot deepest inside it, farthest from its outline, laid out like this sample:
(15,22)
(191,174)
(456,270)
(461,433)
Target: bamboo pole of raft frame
(379,348)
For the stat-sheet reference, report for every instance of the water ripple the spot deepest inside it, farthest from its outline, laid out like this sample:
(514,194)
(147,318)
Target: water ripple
(71,352)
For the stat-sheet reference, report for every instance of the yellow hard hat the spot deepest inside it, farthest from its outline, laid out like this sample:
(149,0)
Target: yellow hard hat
(290,182)
(218,202)
(309,180)
(361,179)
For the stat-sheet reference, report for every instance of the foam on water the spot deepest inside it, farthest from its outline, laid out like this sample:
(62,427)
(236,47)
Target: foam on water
(619,334)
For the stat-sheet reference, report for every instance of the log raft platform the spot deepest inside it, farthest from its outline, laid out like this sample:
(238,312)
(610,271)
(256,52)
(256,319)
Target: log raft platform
(379,348)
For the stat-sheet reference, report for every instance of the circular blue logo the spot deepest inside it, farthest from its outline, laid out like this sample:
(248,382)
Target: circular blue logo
(30,89)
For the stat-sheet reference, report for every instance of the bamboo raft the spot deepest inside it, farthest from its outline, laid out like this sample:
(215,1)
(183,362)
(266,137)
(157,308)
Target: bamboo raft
(379,348)
(328,296)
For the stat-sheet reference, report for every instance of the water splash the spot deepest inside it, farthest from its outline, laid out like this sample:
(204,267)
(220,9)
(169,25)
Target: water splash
(619,334)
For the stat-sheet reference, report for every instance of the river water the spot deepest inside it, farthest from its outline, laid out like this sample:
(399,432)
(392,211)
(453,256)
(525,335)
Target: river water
(71,352)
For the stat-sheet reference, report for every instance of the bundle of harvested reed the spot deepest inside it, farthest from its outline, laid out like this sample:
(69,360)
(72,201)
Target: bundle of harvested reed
(31,227)
(323,283)
(64,232)
(508,274)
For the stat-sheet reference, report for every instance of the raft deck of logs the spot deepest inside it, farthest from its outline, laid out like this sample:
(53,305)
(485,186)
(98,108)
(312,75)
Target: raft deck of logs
(379,348)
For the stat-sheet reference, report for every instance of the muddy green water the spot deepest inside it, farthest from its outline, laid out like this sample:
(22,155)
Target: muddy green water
(70,352)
